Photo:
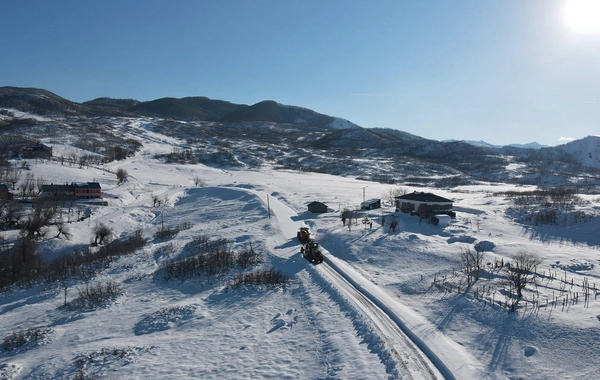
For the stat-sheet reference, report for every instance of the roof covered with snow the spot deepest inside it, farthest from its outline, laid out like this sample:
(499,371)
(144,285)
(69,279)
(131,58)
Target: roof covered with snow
(424,197)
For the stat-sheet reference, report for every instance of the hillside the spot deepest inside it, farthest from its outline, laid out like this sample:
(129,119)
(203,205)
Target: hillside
(586,150)
(225,134)
(306,328)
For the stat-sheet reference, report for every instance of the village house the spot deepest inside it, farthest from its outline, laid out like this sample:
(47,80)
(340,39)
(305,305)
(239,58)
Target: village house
(89,190)
(37,151)
(424,204)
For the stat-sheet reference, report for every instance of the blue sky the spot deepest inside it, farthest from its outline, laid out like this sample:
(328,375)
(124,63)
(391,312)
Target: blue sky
(510,71)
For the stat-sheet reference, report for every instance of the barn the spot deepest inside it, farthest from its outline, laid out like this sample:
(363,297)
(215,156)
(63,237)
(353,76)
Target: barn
(317,207)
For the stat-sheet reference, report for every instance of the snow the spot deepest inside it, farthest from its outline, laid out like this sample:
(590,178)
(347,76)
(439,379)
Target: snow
(586,150)
(339,123)
(311,328)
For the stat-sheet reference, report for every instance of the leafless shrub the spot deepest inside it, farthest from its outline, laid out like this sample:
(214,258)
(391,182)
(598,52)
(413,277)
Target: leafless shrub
(122,176)
(247,257)
(268,277)
(208,258)
(199,182)
(155,200)
(20,338)
(167,232)
(99,295)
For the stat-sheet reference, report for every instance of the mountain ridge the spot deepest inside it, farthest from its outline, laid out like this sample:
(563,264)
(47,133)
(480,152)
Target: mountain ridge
(298,138)
(195,108)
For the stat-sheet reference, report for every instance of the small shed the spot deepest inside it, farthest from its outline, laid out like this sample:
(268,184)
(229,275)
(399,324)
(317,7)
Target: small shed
(371,204)
(317,207)
(440,220)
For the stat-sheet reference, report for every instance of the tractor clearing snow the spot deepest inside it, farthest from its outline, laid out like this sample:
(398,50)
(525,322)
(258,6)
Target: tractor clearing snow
(311,252)
(303,235)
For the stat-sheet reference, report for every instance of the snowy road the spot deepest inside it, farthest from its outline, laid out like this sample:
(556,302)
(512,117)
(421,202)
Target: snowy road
(412,362)
(415,359)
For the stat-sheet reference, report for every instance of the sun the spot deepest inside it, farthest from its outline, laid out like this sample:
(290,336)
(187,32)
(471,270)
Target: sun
(583,16)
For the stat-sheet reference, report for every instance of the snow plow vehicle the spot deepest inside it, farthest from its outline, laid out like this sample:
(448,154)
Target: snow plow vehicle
(303,235)
(311,252)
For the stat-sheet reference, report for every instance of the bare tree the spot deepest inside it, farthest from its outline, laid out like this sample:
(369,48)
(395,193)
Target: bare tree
(72,155)
(39,183)
(63,229)
(26,260)
(391,193)
(13,212)
(35,225)
(155,200)
(83,160)
(471,262)
(27,183)
(199,182)
(522,270)
(101,233)
(122,176)
(13,177)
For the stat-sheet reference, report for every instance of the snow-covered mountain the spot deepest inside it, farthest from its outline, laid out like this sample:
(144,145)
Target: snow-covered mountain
(586,150)
(483,144)
(299,138)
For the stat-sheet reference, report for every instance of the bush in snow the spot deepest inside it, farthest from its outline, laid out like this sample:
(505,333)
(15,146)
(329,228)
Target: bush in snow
(122,176)
(167,232)
(20,338)
(84,264)
(208,257)
(554,206)
(269,277)
(93,296)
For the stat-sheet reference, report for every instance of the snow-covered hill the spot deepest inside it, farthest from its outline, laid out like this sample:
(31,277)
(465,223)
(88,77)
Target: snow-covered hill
(586,150)
(201,327)
(483,144)
(269,133)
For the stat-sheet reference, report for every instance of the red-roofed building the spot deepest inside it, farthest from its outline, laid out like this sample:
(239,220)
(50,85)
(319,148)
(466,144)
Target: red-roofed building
(90,190)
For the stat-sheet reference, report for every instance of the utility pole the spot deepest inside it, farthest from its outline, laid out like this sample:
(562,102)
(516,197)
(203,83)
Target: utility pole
(268,206)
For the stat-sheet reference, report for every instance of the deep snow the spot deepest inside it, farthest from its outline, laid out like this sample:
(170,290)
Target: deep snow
(195,329)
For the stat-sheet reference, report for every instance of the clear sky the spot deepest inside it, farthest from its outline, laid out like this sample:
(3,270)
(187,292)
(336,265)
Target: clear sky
(502,71)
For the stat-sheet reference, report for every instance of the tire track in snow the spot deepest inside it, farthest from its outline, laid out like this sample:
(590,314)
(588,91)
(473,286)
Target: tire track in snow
(411,352)
(413,362)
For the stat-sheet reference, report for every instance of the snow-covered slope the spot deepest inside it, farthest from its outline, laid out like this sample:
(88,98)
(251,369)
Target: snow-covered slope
(339,123)
(483,144)
(586,150)
(201,328)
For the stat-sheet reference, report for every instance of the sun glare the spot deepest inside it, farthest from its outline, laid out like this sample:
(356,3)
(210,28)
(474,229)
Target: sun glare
(583,16)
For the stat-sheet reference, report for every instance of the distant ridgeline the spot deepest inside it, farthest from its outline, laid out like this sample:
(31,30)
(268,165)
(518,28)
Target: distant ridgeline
(224,134)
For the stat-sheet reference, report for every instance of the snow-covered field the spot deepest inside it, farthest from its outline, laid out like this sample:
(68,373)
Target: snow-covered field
(308,329)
